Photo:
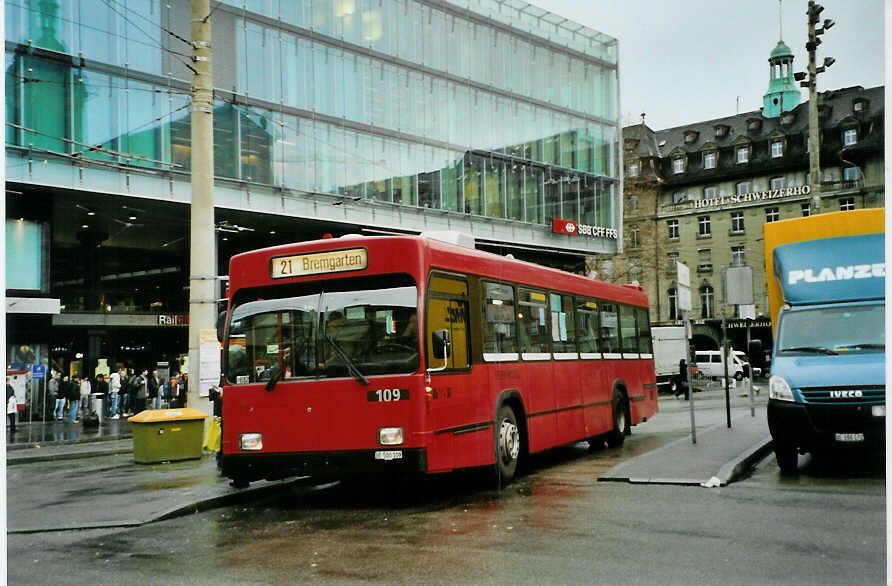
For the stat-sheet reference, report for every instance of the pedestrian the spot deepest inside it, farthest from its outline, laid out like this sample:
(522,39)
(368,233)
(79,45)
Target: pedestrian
(61,397)
(128,385)
(73,396)
(52,390)
(174,391)
(86,390)
(183,389)
(114,391)
(160,390)
(100,394)
(141,391)
(11,406)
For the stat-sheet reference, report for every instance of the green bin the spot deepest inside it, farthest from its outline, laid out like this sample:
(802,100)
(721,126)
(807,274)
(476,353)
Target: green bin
(164,435)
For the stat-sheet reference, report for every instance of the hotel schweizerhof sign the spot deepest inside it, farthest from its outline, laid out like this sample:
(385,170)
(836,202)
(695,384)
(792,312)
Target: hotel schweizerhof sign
(731,200)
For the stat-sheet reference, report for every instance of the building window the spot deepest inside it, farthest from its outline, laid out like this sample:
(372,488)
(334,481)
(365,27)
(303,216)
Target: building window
(778,183)
(772,214)
(806,209)
(633,203)
(850,136)
(709,160)
(710,192)
(738,256)
(705,226)
(851,174)
(634,169)
(707,301)
(673,302)
(846,204)
(634,269)
(777,149)
(743,155)
(704,260)
(679,197)
(678,165)
(633,237)
(671,260)
(673,229)
(744,187)
(737,226)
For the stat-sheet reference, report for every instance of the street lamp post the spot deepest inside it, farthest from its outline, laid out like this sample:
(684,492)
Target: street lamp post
(814,130)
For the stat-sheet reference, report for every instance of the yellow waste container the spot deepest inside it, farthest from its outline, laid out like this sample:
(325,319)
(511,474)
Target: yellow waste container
(163,435)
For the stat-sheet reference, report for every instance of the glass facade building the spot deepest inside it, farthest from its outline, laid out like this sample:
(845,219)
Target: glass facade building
(483,108)
(490,117)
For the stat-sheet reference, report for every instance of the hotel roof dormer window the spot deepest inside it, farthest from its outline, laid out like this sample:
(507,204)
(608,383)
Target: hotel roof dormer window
(824,111)
(860,105)
(787,118)
(630,144)
(753,124)
(721,130)
(849,136)
(678,165)
(690,136)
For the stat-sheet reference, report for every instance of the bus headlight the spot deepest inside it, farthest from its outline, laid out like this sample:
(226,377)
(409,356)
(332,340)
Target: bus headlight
(779,390)
(390,436)
(250,441)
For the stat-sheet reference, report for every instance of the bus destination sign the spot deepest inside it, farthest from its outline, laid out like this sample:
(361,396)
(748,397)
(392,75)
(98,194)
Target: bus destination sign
(299,265)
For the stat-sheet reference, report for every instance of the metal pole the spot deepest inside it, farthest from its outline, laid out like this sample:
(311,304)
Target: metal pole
(690,368)
(750,385)
(725,363)
(814,139)
(202,253)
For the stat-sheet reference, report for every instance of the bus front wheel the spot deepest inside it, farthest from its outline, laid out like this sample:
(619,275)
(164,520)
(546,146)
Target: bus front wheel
(617,435)
(508,444)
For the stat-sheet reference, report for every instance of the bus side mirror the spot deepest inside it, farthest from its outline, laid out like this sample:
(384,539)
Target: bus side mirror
(221,325)
(442,346)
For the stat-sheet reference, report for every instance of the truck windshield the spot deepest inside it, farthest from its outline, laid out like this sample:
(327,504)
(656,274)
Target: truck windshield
(357,327)
(833,330)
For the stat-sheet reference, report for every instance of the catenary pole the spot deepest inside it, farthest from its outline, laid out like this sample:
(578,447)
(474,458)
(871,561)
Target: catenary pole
(202,249)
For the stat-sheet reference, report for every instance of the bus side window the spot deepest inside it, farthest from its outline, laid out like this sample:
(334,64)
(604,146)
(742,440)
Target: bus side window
(587,325)
(610,328)
(645,344)
(499,327)
(447,309)
(628,331)
(532,321)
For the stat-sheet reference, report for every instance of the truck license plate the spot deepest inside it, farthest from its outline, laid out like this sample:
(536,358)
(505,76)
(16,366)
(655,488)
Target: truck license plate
(850,437)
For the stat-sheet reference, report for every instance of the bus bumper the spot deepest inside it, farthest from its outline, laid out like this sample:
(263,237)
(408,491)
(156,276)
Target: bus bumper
(812,427)
(250,467)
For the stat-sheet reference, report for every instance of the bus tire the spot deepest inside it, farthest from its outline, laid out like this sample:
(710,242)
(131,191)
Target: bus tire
(508,444)
(617,435)
(787,458)
(239,482)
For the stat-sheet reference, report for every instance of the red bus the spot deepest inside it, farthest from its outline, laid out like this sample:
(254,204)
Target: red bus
(404,353)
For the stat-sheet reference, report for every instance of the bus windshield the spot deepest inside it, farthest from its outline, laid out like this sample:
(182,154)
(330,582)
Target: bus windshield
(833,330)
(324,330)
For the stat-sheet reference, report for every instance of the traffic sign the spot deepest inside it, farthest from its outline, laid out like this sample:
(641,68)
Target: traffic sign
(38,371)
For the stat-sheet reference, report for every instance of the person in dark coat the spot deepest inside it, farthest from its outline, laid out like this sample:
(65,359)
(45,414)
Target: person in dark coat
(100,392)
(153,387)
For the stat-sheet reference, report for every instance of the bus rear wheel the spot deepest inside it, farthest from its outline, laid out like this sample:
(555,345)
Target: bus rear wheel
(508,444)
(617,435)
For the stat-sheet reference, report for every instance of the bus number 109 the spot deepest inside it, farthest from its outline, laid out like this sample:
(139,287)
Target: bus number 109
(388,395)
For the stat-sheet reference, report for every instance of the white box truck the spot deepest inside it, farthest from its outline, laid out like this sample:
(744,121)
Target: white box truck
(669,350)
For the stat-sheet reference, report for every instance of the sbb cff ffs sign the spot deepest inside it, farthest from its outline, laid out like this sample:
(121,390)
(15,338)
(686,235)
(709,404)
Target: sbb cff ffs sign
(574,228)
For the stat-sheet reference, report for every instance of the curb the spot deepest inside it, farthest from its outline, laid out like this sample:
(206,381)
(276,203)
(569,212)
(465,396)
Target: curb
(66,456)
(91,440)
(206,504)
(733,470)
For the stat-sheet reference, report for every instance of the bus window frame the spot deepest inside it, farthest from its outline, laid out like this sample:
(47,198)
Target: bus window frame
(428,295)
(545,354)
(503,356)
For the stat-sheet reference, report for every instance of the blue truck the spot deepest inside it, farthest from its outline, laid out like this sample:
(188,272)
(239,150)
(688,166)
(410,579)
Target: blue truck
(827,386)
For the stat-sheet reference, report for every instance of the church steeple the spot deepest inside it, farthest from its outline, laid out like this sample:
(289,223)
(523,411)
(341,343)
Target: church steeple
(782,94)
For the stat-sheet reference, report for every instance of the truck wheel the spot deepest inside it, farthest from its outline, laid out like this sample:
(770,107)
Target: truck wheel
(617,435)
(787,458)
(508,444)
(673,385)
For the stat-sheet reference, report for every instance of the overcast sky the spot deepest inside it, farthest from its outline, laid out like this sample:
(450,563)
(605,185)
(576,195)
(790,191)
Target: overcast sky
(689,60)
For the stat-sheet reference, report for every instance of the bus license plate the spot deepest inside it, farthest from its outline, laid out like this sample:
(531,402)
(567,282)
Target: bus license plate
(389,455)
(850,437)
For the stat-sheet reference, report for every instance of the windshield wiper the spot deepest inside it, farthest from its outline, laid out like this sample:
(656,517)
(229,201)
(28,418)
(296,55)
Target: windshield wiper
(815,349)
(351,366)
(864,346)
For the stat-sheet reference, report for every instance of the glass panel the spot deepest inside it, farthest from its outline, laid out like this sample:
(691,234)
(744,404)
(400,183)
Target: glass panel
(493,189)
(473,185)
(44,105)
(96,117)
(610,328)
(499,328)
(628,330)
(256,147)
(587,325)
(533,198)
(563,330)
(226,140)
(532,331)
(645,344)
